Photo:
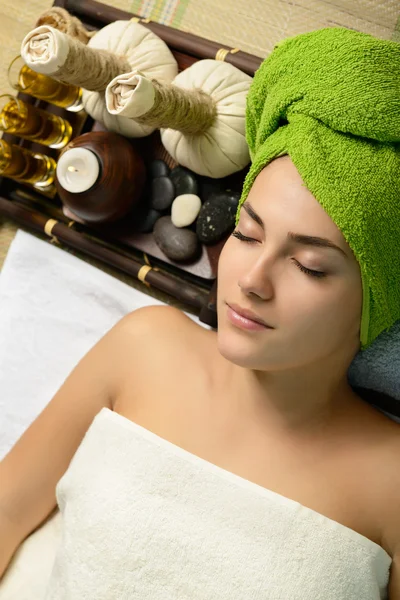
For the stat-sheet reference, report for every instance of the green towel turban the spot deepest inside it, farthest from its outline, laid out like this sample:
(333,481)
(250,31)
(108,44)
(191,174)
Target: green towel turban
(330,99)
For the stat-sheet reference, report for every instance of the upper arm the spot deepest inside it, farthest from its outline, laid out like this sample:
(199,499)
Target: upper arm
(30,471)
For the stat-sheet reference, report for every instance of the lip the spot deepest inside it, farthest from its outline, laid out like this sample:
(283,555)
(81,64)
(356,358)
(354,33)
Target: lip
(246,318)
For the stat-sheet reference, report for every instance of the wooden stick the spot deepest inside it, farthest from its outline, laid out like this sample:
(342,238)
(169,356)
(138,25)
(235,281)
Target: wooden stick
(185,292)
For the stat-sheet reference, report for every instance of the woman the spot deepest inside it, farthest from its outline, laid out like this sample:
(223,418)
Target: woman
(240,463)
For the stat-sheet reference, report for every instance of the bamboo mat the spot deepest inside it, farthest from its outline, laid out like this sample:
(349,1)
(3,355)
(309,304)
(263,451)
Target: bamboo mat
(254,27)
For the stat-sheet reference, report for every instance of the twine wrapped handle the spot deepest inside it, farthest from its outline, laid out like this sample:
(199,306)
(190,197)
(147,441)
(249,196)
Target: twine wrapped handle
(160,105)
(60,19)
(56,54)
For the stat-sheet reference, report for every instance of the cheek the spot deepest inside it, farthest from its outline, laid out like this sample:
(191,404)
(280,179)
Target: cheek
(348,307)
(228,268)
(326,313)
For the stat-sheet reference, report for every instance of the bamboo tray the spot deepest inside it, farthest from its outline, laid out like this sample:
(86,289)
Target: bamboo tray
(115,244)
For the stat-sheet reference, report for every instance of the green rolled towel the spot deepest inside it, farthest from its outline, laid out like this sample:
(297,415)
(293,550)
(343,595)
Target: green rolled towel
(330,99)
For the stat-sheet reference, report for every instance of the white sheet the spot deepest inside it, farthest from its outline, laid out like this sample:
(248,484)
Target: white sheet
(53,308)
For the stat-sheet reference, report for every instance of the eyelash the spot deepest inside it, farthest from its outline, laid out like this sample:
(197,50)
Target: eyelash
(243,238)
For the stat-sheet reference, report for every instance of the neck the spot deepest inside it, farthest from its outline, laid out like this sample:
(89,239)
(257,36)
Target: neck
(301,402)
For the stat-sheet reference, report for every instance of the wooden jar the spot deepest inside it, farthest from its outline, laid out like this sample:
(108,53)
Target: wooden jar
(120,183)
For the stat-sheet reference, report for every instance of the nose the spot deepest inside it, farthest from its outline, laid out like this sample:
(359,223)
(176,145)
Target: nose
(256,280)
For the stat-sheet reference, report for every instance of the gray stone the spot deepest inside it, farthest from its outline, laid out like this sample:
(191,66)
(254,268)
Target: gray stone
(158,168)
(162,193)
(147,219)
(184,180)
(176,243)
(208,186)
(217,216)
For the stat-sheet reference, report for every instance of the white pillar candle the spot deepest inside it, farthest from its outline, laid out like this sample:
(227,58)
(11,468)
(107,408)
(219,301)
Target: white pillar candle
(77,170)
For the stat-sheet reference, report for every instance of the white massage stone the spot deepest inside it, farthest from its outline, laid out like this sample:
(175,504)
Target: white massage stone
(185,209)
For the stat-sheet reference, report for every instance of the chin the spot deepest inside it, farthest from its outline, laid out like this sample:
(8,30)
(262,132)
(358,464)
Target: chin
(238,350)
(260,353)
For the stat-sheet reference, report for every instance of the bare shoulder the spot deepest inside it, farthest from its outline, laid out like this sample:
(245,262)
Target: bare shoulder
(390,490)
(165,322)
(390,507)
(374,443)
(158,344)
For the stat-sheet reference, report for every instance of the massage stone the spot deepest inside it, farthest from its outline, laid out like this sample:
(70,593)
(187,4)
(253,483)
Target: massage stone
(179,244)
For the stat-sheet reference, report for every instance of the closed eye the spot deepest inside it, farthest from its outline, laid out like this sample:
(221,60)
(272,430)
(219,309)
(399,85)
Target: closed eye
(243,238)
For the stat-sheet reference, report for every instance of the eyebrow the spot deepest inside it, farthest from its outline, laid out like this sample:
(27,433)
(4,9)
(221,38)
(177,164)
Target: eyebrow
(298,238)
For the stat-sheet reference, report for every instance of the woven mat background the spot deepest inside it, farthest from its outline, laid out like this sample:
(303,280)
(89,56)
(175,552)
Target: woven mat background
(254,27)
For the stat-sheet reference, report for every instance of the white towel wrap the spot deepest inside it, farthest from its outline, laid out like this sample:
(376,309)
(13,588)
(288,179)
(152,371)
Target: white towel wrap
(145,519)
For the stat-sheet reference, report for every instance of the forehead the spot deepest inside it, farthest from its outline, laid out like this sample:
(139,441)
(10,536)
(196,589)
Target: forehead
(281,199)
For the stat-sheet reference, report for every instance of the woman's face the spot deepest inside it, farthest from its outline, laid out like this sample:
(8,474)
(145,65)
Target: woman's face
(312,317)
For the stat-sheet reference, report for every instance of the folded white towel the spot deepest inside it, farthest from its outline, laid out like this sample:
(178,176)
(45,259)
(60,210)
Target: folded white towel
(145,519)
